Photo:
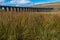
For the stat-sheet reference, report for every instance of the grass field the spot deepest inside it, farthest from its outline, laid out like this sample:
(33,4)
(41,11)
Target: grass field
(30,26)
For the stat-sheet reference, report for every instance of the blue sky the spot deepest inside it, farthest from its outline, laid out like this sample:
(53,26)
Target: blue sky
(25,2)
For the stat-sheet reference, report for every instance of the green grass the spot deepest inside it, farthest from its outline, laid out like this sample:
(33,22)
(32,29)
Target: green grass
(29,26)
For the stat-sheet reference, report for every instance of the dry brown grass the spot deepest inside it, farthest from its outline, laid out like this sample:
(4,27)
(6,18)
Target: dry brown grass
(29,26)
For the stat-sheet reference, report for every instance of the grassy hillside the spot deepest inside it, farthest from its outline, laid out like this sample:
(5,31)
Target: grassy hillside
(48,5)
(30,26)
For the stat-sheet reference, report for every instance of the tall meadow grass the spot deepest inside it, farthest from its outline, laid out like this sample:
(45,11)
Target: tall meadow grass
(29,26)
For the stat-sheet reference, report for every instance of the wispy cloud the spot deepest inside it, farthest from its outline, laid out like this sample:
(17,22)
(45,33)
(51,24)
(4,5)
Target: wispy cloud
(16,2)
(40,3)
(44,2)
(20,1)
(25,2)
(2,0)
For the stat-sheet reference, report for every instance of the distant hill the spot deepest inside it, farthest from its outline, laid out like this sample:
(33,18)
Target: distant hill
(48,5)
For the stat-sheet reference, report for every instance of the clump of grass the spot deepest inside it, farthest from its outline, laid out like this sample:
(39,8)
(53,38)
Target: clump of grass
(29,26)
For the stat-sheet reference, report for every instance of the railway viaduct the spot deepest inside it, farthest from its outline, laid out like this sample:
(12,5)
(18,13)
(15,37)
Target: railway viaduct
(25,9)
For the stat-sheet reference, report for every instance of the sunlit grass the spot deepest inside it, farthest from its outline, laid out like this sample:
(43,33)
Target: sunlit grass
(30,26)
